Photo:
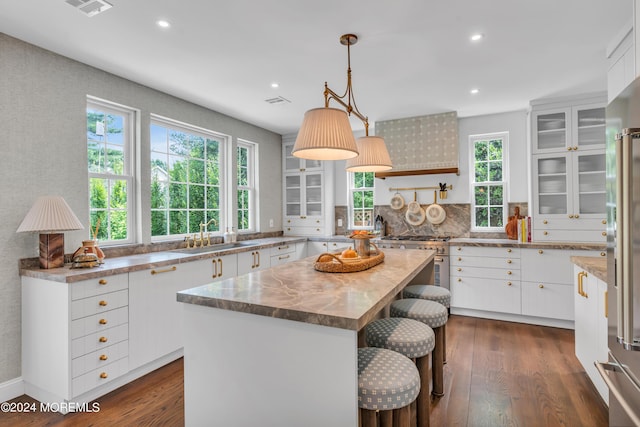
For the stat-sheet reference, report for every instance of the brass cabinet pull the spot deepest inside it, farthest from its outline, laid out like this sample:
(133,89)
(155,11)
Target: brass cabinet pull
(258,257)
(570,216)
(102,339)
(284,257)
(459,279)
(253,260)
(318,221)
(509,250)
(575,148)
(577,216)
(581,291)
(288,228)
(509,273)
(540,251)
(103,375)
(459,269)
(220,265)
(569,148)
(102,303)
(102,281)
(545,233)
(166,270)
(604,221)
(103,357)
(280,248)
(459,248)
(459,259)
(545,222)
(606,304)
(541,286)
(288,221)
(215,268)
(508,261)
(508,283)
(603,254)
(102,321)
(604,233)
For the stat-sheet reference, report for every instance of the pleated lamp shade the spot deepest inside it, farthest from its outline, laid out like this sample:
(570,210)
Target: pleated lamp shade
(373,156)
(50,214)
(325,134)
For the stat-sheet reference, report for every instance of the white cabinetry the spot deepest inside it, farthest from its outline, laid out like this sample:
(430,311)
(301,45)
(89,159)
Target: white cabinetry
(253,260)
(332,246)
(308,195)
(287,252)
(75,337)
(486,279)
(621,61)
(568,170)
(591,325)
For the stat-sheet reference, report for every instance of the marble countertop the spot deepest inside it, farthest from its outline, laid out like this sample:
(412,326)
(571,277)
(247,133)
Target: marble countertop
(295,291)
(506,243)
(126,264)
(594,265)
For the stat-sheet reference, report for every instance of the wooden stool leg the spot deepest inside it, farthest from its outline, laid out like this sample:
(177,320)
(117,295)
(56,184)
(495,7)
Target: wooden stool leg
(402,417)
(386,418)
(368,418)
(438,371)
(444,343)
(424,398)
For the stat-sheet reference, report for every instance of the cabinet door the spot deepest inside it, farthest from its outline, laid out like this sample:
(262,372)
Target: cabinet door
(313,194)
(589,127)
(589,195)
(552,184)
(585,325)
(295,164)
(549,300)
(551,130)
(316,248)
(224,267)
(293,195)
(500,296)
(546,266)
(251,261)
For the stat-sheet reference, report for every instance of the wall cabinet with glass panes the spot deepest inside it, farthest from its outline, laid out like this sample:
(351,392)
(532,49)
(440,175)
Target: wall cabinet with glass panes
(307,195)
(568,172)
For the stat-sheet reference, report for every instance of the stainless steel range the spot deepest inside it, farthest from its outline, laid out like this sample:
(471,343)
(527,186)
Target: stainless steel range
(438,244)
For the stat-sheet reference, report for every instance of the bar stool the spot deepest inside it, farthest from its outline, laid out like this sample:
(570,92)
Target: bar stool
(434,315)
(414,340)
(432,293)
(388,382)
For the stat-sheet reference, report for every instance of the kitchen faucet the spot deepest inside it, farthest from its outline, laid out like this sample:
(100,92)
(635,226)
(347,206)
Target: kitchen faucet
(202,227)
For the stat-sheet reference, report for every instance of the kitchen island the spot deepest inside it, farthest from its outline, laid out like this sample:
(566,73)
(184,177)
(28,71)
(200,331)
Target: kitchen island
(278,347)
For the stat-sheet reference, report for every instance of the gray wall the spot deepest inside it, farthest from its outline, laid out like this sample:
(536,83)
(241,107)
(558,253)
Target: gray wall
(42,114)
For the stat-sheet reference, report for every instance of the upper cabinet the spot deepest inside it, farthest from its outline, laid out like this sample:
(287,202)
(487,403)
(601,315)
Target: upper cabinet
(296,164)
(568,170)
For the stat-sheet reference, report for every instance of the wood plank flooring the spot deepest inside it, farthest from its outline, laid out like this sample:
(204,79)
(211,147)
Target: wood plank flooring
(497,374)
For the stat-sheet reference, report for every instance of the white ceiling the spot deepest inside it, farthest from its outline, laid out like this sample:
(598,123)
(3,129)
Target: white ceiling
(414,57)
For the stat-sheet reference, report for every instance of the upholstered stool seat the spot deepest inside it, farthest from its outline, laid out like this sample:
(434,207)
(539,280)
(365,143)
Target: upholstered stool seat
(428,292)
(387,382)
(434,315)
(414,340)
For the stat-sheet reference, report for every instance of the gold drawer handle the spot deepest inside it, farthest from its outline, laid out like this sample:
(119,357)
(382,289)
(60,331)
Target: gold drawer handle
(509,273)
(284,257)
(283,247)
(508,261)
(541,286)
(459,259)
(603,254)
(604,233)
(540,251)
(508,283)
(509,250)
(569,148)
(102,321)
(102,281)
(545,222)
(102,303)
(459,269)
(459,248)
(604,221)
(459,279)
(545,233)
(577,216)
(102,339)
(103,375)
(166,270)
(103,357)
(570,216)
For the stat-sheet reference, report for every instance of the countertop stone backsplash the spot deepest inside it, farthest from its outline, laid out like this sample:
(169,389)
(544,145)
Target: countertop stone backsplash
(457,223)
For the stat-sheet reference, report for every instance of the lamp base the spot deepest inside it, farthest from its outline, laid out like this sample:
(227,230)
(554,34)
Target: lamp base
(51,250)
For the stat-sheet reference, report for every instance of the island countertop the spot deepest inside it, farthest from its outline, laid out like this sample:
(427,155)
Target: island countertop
(296,291)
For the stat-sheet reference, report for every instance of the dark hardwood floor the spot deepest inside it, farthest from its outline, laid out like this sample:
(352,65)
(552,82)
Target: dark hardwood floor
(497,374)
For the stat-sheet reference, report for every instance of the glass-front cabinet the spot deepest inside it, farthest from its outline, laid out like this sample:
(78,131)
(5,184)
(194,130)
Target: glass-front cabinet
(296,164)
(303,194)
(568,129)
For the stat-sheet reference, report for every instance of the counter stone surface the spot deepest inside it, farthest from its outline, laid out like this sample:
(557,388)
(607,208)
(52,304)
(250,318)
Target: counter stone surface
(507,243)
(296,291)
(593,265)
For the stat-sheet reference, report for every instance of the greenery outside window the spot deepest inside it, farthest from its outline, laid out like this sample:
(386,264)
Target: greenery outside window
(246,168)
(186,178)
(361,199)
(110,139)
(488,201)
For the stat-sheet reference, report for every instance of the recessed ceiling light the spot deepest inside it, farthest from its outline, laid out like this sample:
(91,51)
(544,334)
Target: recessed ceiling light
(474,91)
(275,85)
(476,37)
(163,24)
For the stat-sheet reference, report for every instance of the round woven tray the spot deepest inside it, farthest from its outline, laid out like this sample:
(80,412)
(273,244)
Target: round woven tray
(337,265)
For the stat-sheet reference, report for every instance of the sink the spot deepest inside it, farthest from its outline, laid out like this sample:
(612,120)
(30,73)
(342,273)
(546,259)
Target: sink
(214,248)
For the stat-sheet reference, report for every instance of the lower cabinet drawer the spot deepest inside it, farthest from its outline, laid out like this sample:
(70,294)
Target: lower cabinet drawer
(99,340)
(496,295)
(99,322)
(99,359)
(595,236)
(99,376)
(99,303)
(282,259)
(304,231)
(550,300)
(285,248)
(485,273)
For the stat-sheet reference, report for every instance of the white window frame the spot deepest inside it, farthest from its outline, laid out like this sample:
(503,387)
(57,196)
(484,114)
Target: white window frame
(130,125)
(251,187)
(504,136)
(225,141)
(353,189)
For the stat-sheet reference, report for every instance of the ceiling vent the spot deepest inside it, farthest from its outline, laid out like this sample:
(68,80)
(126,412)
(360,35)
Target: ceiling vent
(90,7)
(278,100)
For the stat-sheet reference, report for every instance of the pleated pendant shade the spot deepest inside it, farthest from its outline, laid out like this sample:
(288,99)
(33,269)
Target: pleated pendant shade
(325,134)
(50,214)
(373,156)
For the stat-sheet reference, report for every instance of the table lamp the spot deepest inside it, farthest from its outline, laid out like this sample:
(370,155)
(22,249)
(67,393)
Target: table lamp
(50,215)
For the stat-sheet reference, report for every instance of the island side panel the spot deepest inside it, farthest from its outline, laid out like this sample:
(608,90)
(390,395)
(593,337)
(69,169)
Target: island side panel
(245,369)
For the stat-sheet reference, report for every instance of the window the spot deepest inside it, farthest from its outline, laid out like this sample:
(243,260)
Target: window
(488,154)
(186,178)
(246,185)
(361,199)
(110,139)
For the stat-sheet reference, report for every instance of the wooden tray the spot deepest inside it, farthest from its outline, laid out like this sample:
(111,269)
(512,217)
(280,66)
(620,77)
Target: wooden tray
(337,265)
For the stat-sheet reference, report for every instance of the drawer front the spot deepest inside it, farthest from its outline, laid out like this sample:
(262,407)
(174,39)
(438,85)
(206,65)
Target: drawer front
(568,224)
(486,294)
(99,376)
(282,259)
(99,359)
(99,304)
(485,262)
(484,251)
(99,322)
(590,236)
(304,231)
(551,300)
(547,266)
(92,287)
(488,273)
(285,248)
(99,340)
(303,221)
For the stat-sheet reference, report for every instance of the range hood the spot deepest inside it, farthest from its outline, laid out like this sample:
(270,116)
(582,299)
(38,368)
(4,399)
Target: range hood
(421,145)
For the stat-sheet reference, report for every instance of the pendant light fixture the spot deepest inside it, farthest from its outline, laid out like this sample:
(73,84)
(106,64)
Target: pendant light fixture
(326,133)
